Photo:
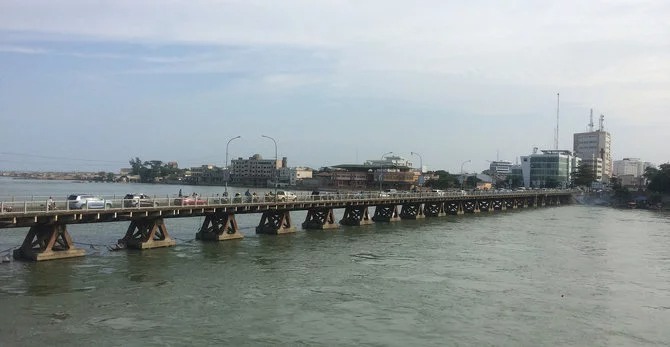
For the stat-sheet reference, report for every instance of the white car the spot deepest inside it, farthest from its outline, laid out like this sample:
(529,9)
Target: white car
(86,201)
(283,195)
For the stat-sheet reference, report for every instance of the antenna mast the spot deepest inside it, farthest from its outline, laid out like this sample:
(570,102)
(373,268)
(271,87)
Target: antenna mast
(591,123)
(602,120)
(558,103)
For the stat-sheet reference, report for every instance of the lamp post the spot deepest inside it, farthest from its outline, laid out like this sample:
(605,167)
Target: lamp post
(463,177)
(277,171)
(381,168)
(227,170)
(420,164)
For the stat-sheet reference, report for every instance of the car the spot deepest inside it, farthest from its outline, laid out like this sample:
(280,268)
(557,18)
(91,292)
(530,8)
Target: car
(283,195)
(138,200)
(87,201)
(438,192)
(189,201)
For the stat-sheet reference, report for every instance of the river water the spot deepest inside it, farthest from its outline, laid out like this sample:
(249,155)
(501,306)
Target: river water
(569,276)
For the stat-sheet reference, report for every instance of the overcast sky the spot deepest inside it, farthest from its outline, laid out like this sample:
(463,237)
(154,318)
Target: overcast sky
(88,85)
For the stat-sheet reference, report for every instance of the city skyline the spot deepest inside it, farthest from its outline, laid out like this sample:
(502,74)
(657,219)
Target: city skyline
(85,86)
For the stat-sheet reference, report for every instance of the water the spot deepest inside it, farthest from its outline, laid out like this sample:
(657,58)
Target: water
(573,275)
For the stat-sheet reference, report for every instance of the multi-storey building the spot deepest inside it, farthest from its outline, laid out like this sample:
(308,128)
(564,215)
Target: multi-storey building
(500,167)
(593,146)
(630,172)
(630,166)
(293,175)
(549,169)
(255,171)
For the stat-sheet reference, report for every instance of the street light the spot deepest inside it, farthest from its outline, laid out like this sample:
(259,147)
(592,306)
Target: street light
(277,171)
(227,170)
(381,168)
(420,164)
(463,177)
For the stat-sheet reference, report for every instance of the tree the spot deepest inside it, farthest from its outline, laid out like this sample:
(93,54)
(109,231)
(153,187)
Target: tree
(584,175)
(136,166)
(445,180)
(659,179)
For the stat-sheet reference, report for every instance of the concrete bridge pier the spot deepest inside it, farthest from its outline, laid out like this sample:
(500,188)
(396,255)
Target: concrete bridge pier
(356,215)
(484,206)
(47,242)
(434,209)
(453,207)
(470,206)
(320,218)
(147,233)
(275,222)
(386,213)
(219,227)
(412,211)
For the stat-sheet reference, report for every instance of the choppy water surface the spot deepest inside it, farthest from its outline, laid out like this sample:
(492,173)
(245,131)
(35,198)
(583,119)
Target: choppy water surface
(571,275)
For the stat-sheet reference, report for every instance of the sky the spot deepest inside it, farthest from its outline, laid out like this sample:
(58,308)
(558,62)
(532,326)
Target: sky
(88,85)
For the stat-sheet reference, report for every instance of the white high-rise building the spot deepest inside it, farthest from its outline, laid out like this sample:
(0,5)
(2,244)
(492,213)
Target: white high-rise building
(594,145)
(630,166)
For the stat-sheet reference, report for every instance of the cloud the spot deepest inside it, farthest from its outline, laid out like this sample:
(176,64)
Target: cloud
(482,58)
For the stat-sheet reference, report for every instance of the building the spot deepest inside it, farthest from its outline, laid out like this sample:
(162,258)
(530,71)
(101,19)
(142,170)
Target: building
(294,175)
(255,171)
(593,146)
(206,175)
(549,169)
(630,172)
(500,168)
(390,172)
(630,166)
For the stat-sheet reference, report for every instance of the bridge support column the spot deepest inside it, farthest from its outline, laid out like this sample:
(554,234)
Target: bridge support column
(386,213)
(470,206)
(275,223)
(453,207)
(433,209)
(147,233)
(219,227)
(320,218)
(412,211)
(498,205)
(484,206)
(47,242)
(356,215)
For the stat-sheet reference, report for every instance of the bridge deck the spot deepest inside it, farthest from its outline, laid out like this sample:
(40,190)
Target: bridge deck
(30,213)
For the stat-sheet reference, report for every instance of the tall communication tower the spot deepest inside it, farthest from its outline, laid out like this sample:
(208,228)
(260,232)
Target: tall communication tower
(591,122)
(558,103)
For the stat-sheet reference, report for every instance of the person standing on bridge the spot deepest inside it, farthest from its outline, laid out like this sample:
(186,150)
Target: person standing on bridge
(51,205)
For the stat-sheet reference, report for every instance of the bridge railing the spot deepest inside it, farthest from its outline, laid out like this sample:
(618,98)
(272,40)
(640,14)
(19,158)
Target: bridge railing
(47,205)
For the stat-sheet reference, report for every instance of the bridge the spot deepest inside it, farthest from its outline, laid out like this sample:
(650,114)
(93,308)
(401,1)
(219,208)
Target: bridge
(48,238)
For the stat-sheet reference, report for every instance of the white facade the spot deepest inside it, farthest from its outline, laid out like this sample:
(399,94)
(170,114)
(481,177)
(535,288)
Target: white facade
(502,167)
(593,145)
(630,166)
(292,175)
(254,170)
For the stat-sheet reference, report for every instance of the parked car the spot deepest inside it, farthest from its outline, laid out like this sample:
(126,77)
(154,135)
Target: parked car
(283,195)
(87,201)
(138,200)
(189,201)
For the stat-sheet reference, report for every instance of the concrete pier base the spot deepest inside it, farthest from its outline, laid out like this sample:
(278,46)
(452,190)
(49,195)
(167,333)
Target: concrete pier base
(47,242)
(147,233)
